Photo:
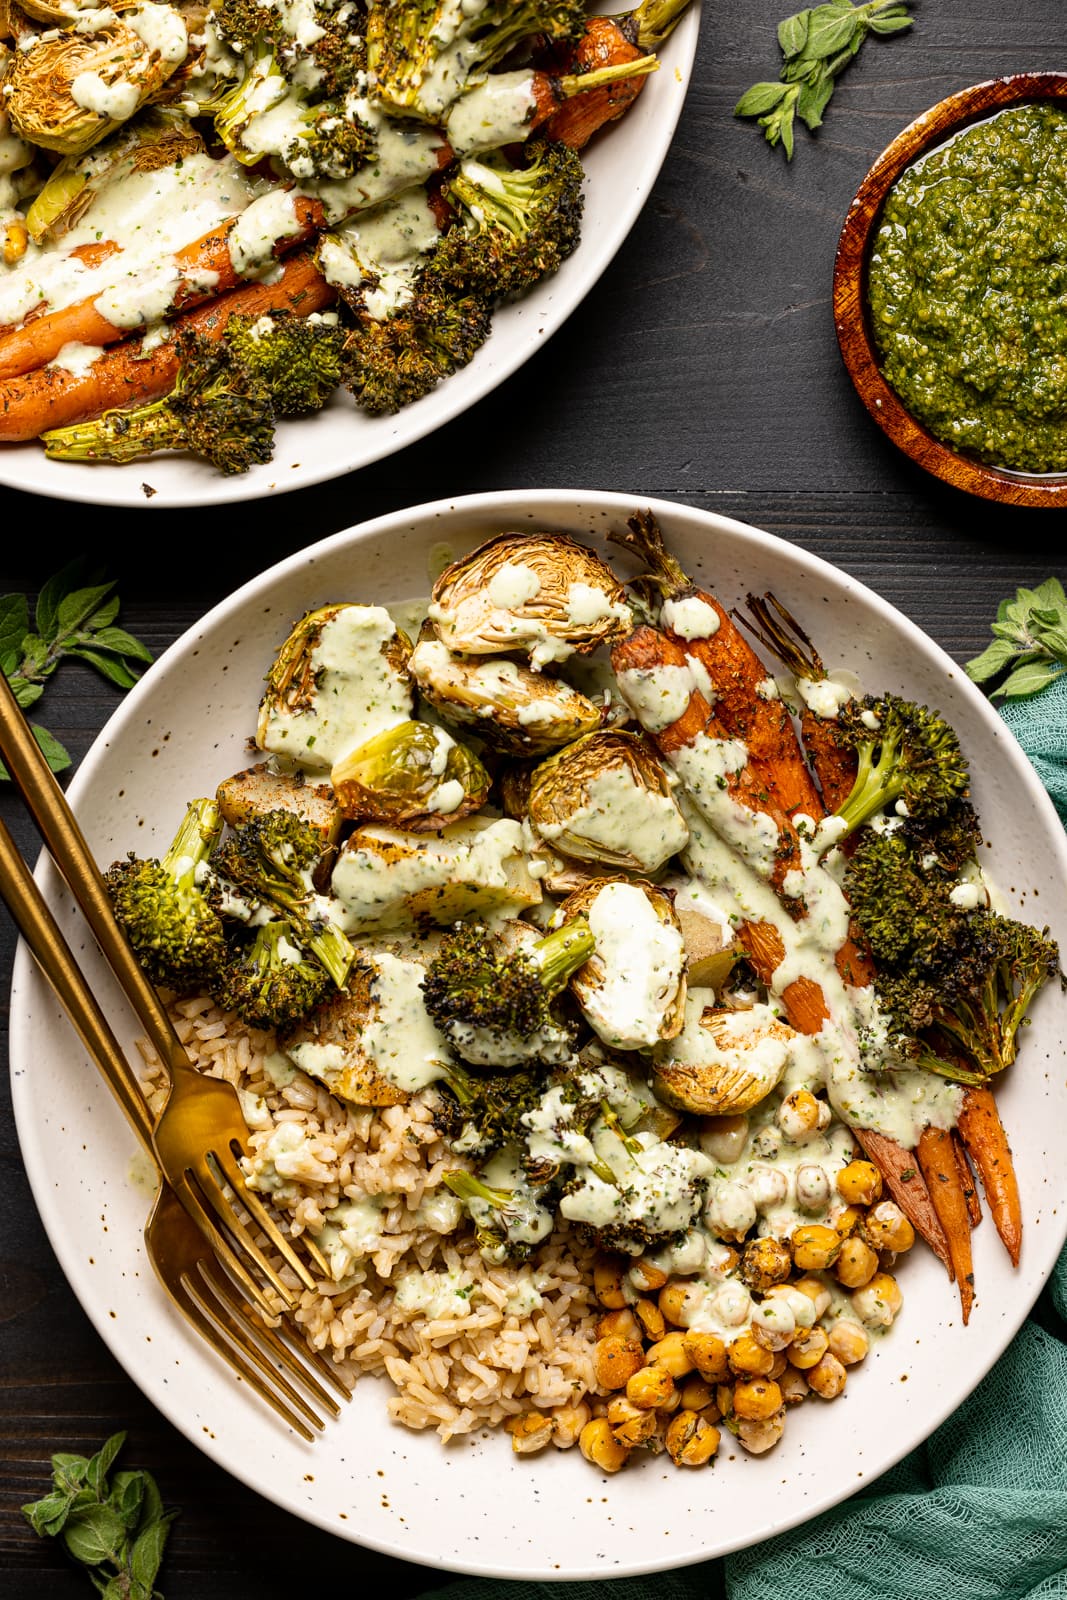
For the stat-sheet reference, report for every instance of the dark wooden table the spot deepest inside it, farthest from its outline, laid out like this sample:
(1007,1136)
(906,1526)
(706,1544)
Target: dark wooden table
(703,367)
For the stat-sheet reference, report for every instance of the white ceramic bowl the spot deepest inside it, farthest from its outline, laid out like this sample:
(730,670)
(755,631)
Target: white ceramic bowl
(476,1507)
(621,165)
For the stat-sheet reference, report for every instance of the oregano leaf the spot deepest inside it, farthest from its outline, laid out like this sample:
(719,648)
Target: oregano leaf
(762,97)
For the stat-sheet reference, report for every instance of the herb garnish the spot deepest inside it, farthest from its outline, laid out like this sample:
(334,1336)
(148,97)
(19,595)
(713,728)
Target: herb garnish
(74,616)
(116,1528)
(817,45)
(1030,637)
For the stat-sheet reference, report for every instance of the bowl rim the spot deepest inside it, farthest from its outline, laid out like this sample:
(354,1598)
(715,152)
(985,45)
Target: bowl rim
(956,111)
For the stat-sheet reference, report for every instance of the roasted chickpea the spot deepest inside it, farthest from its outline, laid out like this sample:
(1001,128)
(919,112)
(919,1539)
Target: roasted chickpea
(879,1301)
(615,1360)
(808,1347)
(815,1247)
(650,1388)
(608,1284)
(849,1341)
(691,1439)
(618,1324)
(530,1433)
(798,1116)
(749,1357)
(630,1425)
(827,1378)
(756,1398)
(887,1228)
(670,1353)
(707,1353)
(764,1263)
(651,1318)
(856,1264)
(567,1424)
(860,1183)
(760,1435)
(646,1277)
(599,1446)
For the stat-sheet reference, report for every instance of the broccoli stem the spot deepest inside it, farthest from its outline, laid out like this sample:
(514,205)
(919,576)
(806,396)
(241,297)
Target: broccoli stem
(878,783)
(468,1187)
(329,944)
(656,20)
(193,842)
(562,952)
(118,435)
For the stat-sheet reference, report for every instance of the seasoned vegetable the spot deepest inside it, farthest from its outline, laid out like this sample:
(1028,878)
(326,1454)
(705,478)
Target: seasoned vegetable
(337,680)
(414,776)
(722,1062)
(632,989)
(542,595)
(606,798)
(514,709)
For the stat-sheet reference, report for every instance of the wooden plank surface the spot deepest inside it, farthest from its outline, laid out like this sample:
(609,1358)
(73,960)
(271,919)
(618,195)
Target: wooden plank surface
(702,368)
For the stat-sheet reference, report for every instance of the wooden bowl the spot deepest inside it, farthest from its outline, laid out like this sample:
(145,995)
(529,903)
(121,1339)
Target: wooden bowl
(851,302)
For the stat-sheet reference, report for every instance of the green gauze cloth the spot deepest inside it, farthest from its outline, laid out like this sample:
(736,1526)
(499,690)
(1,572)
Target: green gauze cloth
(979,1512)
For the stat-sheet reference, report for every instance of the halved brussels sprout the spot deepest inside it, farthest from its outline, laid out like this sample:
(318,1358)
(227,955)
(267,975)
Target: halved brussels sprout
(387,878)
(76,181)
(722,1062)
(516,710)
(72,89)
(632,990)
(542,594)
(338,679)
(606,798)
(413,776)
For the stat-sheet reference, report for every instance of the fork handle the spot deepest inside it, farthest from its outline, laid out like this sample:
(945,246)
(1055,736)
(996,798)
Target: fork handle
(66,844)
(56,960)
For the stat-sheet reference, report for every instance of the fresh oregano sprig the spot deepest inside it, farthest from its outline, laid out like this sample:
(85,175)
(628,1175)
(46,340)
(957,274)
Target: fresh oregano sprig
(817,45)
(115,1527)
(74,616)
(1029,642)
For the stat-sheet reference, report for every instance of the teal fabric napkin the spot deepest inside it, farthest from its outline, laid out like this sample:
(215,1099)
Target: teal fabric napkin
(979,1512)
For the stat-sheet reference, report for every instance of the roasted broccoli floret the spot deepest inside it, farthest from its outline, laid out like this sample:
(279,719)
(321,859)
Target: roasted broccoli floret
(515,225)
(329,61)
(905,909)
(986,984)
(423,53)
(269,981)
(272,858)
(298,359)
(391,363)
(509,1215)
(493,1005)
(317,138)
(217,410)
(484,1111)
(908,756)
(173,926)
(955,983)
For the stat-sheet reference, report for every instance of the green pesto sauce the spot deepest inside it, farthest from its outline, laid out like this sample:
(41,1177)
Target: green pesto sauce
(968,290)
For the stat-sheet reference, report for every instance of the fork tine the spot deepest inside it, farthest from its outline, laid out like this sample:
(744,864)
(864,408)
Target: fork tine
(229,1167)
(270,1337)
(199,1315)
(207,1214)
(221,1309)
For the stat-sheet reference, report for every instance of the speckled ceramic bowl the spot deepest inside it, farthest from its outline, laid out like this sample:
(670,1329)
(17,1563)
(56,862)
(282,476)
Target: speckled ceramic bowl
(474,1506)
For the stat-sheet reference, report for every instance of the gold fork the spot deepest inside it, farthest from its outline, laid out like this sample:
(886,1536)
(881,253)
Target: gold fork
(186,1266)
(199,1137)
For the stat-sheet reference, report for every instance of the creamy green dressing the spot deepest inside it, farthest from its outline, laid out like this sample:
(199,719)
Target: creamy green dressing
(358,692)
(639,967)
(620,819)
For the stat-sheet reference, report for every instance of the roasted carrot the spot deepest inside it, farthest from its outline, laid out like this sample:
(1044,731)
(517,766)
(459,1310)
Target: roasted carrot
(607,41)
(647,650)
(986,1143)
(40,340)
(781,634)
(970,1188)
(603,44)
(53,398)
(908,1188)
(736,674)
(936,1155)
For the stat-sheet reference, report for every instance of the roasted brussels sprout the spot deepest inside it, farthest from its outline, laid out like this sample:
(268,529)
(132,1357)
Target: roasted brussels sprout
(76,181)
(606,798)
(722,1062)
(340,1042)
(71,89)
(386,878)
(337,680)
(515,710)
(632,989)
(413,776)
(542,594)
